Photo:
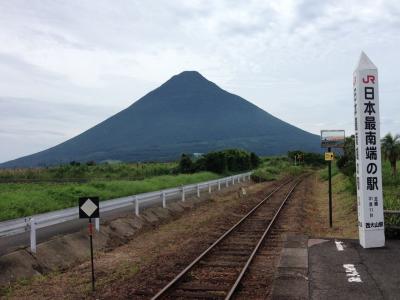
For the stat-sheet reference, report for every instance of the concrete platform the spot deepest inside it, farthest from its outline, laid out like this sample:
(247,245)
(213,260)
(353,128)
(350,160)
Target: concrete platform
(336,269)
(291,280)
(342,269)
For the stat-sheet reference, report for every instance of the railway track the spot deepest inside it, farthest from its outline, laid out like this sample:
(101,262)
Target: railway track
(218,271)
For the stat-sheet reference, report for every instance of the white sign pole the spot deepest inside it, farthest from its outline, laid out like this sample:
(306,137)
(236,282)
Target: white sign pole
(368,154)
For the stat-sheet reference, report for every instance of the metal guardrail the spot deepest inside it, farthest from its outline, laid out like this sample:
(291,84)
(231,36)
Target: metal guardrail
(32,223)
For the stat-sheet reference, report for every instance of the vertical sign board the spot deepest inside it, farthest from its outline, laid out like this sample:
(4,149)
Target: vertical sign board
(368,154)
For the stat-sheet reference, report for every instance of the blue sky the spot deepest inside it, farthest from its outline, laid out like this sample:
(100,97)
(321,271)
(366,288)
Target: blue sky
(67,65)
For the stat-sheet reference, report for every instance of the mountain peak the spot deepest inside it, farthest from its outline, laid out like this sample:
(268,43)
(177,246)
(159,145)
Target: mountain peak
(188,76)
(191,74)
(188,80)
(187,114)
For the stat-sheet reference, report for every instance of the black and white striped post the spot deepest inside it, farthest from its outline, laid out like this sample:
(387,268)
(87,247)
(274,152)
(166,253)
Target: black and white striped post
(88,209)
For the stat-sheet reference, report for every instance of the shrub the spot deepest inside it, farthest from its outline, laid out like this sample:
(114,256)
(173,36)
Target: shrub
(347,162)
(230,160)
(254,160)
(186,164)
(308,158)
(218,162)
(91,163)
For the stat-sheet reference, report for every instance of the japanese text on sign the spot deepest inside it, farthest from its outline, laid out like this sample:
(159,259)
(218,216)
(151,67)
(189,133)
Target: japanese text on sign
(367,147)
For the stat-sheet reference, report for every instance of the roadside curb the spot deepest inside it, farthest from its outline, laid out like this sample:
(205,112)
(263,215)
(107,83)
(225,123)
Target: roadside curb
(291,279)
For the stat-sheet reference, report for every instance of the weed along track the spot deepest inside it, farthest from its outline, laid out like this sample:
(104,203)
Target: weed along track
(217,273)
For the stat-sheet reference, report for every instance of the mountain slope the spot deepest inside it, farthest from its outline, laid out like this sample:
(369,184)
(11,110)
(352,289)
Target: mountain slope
(187,113)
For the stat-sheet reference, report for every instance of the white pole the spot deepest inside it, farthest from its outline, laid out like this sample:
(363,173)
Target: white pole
(226,182)
(183,194)
(219,185)
(164,204)
(233,180)
(97,223)
(33,235)
(209,188)
(136,206)
(198,191)
(368,154)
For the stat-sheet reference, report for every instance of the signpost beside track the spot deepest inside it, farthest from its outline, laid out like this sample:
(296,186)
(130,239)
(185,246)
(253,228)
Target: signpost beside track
(331,139)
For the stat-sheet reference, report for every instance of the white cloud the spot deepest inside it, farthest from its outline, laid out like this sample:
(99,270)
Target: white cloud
(292,58)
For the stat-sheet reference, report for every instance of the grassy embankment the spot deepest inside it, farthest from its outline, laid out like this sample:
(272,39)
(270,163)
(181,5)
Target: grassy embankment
(391,197)
(344,191)
(276,167)
(391,188)
(106,181)
(82,173)
(344,208)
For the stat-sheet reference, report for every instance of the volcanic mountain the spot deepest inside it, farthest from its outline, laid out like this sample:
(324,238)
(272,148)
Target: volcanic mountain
(186,114)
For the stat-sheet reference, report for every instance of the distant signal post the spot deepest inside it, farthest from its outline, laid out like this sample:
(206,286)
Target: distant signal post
(368,154)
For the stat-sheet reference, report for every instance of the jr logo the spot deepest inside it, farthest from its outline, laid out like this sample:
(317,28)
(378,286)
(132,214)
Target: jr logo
(369,78)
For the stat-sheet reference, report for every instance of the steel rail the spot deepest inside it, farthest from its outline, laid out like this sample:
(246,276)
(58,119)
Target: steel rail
(267,230)
(223,236)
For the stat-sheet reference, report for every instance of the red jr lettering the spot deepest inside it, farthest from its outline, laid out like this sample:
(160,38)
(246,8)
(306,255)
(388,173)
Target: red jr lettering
(369,78)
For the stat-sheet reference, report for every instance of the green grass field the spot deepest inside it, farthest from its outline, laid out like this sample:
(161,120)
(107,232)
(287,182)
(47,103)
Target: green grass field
(391,195)
(25,199)
(324,175)
(275,167)
(126,171)
(391,188)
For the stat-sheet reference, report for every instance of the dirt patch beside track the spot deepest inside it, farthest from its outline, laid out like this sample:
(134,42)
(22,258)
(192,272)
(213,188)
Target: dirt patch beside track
(316,222)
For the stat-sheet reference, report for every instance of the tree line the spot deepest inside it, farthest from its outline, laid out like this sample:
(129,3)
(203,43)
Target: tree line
(307,158)
(225,161)
(390,147)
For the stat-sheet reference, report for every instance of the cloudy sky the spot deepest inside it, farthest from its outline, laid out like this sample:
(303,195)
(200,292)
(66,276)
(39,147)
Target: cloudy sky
(67,65)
